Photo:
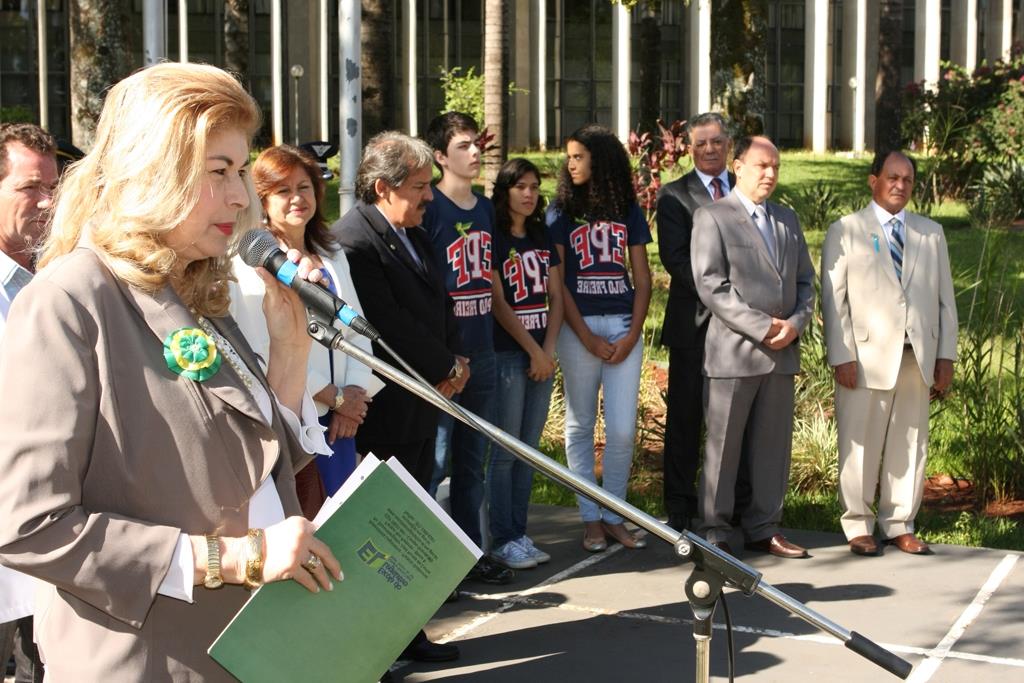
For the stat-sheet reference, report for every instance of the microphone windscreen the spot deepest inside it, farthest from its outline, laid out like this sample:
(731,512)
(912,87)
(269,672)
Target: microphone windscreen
(255,246)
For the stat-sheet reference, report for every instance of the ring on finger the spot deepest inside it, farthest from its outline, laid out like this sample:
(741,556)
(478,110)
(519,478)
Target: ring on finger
(312,563)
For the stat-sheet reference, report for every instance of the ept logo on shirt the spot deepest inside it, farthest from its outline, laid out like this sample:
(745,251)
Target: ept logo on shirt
(527,273)
(603,242)
(470,255)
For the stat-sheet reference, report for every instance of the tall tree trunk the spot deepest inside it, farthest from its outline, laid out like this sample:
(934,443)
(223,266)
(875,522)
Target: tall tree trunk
(650,70)
(378,77)
(887,80)
(738,62)
(236,39)
(100,57)
(494,88)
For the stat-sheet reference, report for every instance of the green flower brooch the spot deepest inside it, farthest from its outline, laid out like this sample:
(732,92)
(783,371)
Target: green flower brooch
(192,353)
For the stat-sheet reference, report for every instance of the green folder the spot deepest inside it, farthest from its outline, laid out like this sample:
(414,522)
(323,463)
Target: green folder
(401,555)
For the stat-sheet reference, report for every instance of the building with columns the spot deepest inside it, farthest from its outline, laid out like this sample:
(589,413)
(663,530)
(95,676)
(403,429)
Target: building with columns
(571,61)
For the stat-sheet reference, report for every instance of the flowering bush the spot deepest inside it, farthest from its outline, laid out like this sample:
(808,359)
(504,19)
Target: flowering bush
(650,156)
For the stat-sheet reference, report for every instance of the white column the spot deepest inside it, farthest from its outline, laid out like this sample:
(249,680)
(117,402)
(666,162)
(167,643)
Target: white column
(620,71)
(927,26)
(276,86)
(350,94)
(1019,38)
(963,38)
(325,109)
(183,31)
(44,93)
(999,30)
(854,85)
(699,26)
(816,62)
(409,66)
(541,91)
(154,33)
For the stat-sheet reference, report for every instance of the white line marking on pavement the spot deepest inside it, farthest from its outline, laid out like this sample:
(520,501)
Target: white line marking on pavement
(926,669)
(510,599)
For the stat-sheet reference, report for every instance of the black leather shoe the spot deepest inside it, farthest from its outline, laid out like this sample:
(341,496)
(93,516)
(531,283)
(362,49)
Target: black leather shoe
(486,571)
(423,650)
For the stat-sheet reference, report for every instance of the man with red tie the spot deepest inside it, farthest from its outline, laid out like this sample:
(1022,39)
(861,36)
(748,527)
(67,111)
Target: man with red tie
(686,318)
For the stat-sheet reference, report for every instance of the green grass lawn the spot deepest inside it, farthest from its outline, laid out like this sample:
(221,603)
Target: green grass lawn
(848,177)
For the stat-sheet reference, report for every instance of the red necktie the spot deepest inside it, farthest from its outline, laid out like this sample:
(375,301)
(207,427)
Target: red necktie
(716,189)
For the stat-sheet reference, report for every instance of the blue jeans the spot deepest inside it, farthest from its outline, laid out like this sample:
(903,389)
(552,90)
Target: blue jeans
(522,412)
(586,374)
(468,447)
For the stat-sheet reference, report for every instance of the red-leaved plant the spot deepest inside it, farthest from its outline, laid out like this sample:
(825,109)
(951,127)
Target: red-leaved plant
(650,156)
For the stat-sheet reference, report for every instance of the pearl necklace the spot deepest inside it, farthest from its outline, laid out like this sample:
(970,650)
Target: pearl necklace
(228,352)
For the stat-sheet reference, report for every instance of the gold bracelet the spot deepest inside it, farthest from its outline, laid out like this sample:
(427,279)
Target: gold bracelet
(254,560)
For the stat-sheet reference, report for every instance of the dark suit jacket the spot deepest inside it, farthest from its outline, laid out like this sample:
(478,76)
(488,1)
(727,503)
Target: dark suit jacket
(413,313)
(686,318)
(744,288)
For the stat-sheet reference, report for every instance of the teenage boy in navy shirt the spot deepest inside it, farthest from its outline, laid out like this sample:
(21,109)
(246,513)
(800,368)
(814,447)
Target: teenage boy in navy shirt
(460,223)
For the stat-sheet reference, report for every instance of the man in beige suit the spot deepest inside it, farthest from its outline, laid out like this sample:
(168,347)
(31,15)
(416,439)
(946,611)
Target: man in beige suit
(891,329)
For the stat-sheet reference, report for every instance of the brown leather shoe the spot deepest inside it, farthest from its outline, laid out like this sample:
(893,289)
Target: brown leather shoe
(778,546)
(863,545)
(909,543)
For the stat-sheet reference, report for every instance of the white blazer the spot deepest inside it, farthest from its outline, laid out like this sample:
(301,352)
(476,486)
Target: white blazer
(247,310)
(869,314)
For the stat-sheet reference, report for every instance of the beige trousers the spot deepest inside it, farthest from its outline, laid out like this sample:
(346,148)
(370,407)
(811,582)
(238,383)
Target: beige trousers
(883,443)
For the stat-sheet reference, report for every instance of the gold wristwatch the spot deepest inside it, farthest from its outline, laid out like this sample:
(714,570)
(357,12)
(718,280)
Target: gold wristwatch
(339,399)
(213,578)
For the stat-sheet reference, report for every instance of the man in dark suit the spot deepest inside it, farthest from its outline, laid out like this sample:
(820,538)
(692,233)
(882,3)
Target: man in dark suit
(753,272)
(686,318)
(404,297)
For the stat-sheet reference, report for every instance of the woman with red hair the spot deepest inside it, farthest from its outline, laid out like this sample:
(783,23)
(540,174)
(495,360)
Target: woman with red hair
(290,187)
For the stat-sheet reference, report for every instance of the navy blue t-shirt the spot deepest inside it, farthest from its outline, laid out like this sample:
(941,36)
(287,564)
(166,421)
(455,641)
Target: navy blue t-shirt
(595,259)
(462,250)
(522,267)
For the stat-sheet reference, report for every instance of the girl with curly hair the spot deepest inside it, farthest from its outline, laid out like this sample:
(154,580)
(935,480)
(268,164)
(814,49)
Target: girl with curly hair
(599,233)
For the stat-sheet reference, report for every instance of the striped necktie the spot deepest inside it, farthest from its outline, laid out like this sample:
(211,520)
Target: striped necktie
(896,246)
(716,189)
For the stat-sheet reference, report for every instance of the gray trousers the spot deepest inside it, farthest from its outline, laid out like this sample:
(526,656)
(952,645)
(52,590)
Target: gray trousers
(16,638)
(751,417)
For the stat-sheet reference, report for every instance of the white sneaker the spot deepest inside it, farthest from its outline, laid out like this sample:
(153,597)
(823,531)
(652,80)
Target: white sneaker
(513,556)
(526,543)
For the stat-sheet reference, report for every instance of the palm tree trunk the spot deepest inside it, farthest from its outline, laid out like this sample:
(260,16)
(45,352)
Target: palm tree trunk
(236,39)
(378,77)
(887,80)
(494,88)
(100,57)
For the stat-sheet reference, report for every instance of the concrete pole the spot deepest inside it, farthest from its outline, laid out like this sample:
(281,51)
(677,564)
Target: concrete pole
(154,31)
(183,31)
(350,105)
(963,38)
(325,109)
(276,85)
(855,86)
(816,75)
(927,30)
(700,56)
(409,66)
(44,95)
(999,33)
(620,71)
(541,91)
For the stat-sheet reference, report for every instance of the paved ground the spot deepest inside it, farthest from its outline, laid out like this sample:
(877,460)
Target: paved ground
(620,616)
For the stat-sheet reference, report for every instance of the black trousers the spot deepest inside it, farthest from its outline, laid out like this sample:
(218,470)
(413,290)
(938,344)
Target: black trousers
(684,422)
(416,456)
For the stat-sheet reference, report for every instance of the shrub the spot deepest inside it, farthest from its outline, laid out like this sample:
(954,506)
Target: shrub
(649,159)
(463,92)
(817,205)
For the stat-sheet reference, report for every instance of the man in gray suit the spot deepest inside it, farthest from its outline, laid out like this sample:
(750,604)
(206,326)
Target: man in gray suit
(686,319)
(752,270)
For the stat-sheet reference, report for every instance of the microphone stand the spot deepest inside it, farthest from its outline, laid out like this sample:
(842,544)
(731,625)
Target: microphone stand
(713,569)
